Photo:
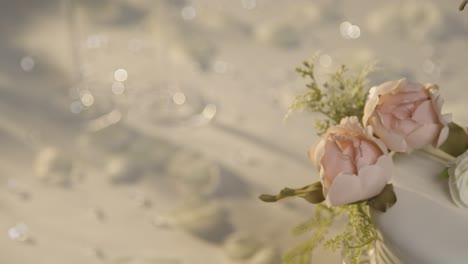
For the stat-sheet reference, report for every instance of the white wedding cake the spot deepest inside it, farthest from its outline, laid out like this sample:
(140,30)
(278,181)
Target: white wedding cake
(425,225)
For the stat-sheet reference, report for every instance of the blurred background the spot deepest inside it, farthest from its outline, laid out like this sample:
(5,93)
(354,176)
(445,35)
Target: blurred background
(142,131)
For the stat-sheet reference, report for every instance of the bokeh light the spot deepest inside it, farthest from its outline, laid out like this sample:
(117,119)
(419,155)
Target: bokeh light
(325,60)
(179,98)
(349,31)
(120,75)
(118,88)
(87,99)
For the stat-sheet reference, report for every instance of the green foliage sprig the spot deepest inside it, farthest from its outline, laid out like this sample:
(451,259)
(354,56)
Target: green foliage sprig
(319,224)
(343,94)
(359,235)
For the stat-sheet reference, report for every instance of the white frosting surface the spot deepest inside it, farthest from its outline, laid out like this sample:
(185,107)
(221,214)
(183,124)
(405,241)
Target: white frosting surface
(424,226)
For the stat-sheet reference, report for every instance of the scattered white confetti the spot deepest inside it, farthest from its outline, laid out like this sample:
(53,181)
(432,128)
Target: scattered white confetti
(19,232)
(98,214)
(96,252)
(120,75)
(220,66)
(188,12)
(53,166)
(141,199)
(249,4)
(17,189)
(160,221)
(209,111)
(27,63)
(121,168)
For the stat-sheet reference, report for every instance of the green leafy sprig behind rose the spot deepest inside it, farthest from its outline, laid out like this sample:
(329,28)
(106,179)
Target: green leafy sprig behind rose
(343,94)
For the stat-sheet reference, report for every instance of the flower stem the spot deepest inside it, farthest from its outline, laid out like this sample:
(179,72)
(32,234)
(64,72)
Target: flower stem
(438,155)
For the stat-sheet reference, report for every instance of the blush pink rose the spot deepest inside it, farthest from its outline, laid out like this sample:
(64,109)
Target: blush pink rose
(406,115)
(353,164)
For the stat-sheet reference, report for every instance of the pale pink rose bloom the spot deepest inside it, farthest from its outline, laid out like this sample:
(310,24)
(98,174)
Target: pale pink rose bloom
(406,115)
(353,164)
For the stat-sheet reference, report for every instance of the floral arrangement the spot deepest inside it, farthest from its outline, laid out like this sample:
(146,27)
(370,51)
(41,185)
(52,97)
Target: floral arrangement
(361,130)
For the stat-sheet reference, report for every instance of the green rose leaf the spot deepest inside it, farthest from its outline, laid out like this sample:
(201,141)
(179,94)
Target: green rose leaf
(312,193)
(384,200)
(456,143)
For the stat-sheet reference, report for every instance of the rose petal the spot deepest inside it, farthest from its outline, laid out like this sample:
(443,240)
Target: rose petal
(349,188)
(392,140)
(370,152)
(316,153)
(437,102)
(446,119)
(425,113)
(444,133)
(392,86)
(386,119)
(424,135)
(403,98)
(405,126)
(335,162)
(381,145)
(403,111)
(411,87)
(345,143)
(374,96)
(348,126)
(371,103)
